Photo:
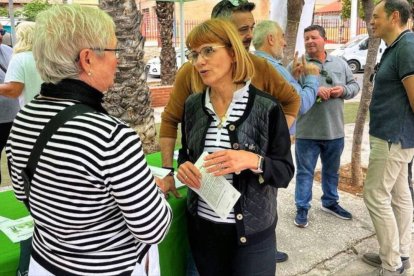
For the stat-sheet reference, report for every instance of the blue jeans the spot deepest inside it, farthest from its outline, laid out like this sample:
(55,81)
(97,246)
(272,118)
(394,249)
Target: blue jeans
(307,153)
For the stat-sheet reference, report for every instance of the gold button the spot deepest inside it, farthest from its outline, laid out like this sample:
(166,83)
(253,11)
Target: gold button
(243,240)
(239,216)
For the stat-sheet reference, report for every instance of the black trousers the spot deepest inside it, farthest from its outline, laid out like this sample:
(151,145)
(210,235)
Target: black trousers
(4,135)
(216,251)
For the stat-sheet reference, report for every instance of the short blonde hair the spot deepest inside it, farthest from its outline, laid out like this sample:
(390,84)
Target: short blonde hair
(220,31)
(62,32)
(24,34)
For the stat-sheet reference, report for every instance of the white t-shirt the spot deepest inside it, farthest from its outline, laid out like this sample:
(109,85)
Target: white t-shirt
(22,68)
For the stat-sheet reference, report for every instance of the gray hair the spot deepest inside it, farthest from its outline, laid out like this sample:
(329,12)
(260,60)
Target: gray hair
(62,31)
(263,29)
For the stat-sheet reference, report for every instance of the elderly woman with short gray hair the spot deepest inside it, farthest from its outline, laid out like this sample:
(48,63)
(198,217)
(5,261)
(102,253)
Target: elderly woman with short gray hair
(94,201)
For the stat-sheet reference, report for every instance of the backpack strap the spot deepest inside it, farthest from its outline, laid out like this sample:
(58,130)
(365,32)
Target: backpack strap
(50,128)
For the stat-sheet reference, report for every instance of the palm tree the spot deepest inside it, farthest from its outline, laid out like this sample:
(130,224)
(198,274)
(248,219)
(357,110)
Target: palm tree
(366,95)
(129,99)
(165,15)
(294,11)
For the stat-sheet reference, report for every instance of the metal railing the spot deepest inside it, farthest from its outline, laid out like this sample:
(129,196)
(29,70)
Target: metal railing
(337,29)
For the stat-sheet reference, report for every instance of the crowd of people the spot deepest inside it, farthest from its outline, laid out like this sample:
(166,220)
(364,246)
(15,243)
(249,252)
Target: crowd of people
(97,207)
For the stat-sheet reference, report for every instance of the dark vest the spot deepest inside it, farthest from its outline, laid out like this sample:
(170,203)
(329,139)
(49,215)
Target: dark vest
(255,211)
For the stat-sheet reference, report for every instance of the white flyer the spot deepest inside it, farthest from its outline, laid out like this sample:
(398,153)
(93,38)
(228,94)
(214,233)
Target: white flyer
(161,173)
(4,221)
(219,194)
(19,229)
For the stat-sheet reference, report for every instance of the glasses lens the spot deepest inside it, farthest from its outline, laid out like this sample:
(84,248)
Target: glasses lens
(192,57)
(206,52)
(2,31)
(328,80)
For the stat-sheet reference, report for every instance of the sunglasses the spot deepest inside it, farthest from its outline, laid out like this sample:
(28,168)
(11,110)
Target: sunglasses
(226,5)
(205,52)
(328,78)
(3,31)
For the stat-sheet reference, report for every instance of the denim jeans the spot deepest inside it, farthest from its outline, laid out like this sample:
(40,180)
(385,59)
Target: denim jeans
(217,253)
(307,152)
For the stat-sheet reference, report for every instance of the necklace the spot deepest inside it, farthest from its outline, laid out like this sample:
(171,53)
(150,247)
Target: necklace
(222,118)
(222,121)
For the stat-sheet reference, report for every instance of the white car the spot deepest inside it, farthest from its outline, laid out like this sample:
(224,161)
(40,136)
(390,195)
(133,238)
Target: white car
(355,52)
(153,67)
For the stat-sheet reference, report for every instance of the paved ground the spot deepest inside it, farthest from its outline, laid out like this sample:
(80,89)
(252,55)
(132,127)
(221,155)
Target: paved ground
(329,246)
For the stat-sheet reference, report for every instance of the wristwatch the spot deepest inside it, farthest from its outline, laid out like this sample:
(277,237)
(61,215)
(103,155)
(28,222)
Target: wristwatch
(171,173)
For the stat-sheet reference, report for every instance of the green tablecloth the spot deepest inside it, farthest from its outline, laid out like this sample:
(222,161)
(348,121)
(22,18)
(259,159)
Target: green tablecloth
(10,252)
(173,250)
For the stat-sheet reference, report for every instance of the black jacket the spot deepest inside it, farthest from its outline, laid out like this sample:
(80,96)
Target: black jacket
(263,130)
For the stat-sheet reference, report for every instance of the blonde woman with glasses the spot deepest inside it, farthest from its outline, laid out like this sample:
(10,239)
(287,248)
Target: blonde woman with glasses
(246,135)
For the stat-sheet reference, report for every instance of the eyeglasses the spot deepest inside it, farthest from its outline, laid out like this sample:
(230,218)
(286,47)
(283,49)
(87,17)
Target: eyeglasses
(116,50)
(226,5)
(327,77)
(205,52)
(3,31)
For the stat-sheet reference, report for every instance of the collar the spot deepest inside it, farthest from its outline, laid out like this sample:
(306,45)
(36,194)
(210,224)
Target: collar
(267,56)
(237,95)
(328,58)
(398,38)
(77,90)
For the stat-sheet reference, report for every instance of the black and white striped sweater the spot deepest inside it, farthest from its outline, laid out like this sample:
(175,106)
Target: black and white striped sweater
(93,198)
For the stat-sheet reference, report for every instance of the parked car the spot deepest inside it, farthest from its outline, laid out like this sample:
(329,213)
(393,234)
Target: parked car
(355,52)
(153,67)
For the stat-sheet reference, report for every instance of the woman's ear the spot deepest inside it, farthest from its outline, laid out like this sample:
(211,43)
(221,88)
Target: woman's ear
(85,58)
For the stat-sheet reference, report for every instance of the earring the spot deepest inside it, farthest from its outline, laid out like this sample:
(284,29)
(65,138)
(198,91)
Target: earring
(89,73)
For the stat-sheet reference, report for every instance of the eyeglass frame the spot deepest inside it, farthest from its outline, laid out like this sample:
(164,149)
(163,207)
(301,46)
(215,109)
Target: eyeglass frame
(193,60)
(116,50)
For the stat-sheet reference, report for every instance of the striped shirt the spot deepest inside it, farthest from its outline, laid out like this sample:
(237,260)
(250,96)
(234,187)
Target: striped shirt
(217,138)
(93,198)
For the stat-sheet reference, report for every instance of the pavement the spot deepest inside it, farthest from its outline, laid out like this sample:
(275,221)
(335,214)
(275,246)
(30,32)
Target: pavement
(329,245)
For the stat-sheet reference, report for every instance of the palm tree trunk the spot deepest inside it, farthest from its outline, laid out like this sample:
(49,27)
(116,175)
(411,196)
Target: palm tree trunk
(294,11)
(357,177)
(129,98)
(165,15)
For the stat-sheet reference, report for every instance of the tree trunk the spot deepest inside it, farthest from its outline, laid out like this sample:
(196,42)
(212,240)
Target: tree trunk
(165,15)
(294,11)
(357,178)
(129,98)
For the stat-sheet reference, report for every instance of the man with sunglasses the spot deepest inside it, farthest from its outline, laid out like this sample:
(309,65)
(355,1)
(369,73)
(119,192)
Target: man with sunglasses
(320,132)
(266,79)
(8,106)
